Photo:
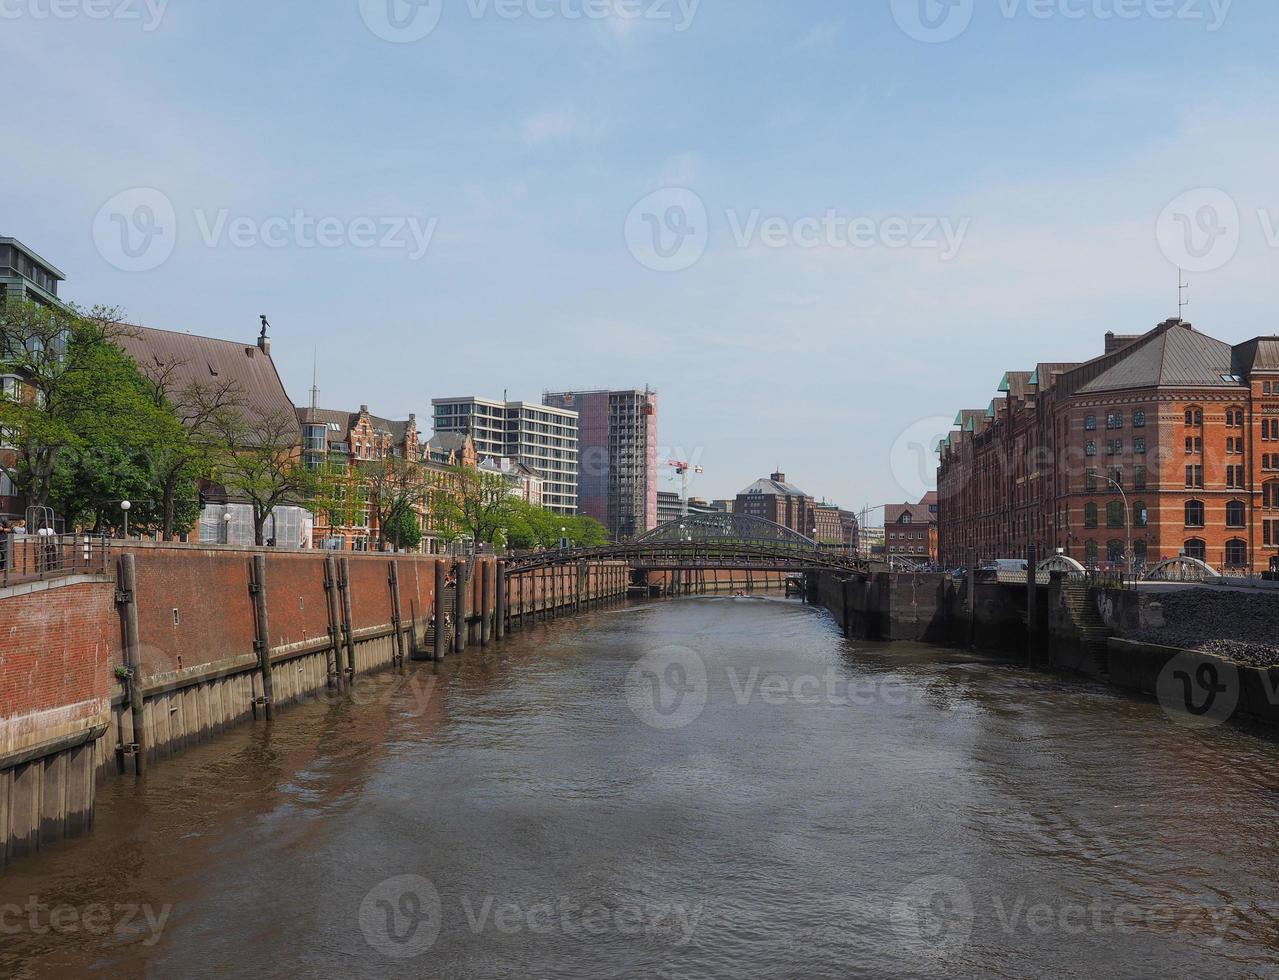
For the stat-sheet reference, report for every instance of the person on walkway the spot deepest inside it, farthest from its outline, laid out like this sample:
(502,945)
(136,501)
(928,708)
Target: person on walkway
(6,539)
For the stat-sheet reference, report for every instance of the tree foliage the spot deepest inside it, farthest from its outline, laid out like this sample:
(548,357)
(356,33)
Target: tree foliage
(259,461)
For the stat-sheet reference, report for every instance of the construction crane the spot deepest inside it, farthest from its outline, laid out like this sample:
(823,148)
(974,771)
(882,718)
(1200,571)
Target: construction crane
(682,469)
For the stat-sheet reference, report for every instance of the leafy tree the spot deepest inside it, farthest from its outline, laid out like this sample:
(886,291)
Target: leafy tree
(201,408)
(260,460)
(472,503)
(397,490)
(402,529)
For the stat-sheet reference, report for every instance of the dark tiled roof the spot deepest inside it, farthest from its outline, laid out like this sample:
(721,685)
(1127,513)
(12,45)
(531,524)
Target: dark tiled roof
(1046,374)
(1170,355)
(188,359)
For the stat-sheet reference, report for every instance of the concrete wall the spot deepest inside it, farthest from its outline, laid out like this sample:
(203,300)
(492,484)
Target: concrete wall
(889,605)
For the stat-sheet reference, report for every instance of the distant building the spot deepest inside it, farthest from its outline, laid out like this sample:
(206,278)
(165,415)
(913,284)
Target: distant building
(342,440)
(668,506)
(724,506)
(543,438)
(910,530)
(24,275)
(776,500)
(836,528)
(526,483)
(617,437)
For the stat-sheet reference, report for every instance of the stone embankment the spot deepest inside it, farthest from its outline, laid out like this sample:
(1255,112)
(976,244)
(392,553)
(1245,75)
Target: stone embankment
(1239,626)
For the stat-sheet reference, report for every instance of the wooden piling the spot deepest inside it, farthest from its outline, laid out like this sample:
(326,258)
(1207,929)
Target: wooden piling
(337,672)
(499,619)
(262,643)
(396,623)
(486,603)
(348,626)
(1032,599)
(128,597)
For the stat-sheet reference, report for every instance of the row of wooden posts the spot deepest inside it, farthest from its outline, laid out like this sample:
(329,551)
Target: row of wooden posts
(496,618)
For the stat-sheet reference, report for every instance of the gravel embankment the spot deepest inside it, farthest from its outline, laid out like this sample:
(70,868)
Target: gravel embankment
(1239,626)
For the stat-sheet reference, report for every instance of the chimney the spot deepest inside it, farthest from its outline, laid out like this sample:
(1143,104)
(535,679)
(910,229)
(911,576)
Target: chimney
(364,410)
(779,477)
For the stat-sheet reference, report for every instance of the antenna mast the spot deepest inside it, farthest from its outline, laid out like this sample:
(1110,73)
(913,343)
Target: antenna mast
(1182,288)
(315,392)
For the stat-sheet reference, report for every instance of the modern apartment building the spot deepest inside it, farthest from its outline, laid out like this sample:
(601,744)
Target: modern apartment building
(541,437)
(26,276)
(1165,444)
(617,433)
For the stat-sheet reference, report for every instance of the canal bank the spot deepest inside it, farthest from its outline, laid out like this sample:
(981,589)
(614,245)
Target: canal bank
(165,647)
(1106,632)
(814,806)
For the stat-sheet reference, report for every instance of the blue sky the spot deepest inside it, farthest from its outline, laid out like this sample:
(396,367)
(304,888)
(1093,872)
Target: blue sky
(1050,139)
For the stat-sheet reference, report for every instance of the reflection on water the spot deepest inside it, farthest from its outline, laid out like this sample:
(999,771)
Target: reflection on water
(701,788)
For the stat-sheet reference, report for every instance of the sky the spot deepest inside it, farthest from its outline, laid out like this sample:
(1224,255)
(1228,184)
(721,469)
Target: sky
(817,228)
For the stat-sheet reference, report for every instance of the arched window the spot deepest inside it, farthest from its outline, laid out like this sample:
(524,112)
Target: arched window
(1090,515)
(1235,514)
(1140,552)
(1236,553)
(1234,418)
(1195,548)
(1194,513)
(1194,418)
(1090,552)
(1115,515)
(1115,551)
(1140,514)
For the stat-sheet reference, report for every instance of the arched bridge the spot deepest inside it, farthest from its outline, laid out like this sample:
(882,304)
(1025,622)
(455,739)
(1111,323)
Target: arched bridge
(710,541)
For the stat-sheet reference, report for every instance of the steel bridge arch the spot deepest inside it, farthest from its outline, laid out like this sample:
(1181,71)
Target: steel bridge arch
(1182,569)
(727,528)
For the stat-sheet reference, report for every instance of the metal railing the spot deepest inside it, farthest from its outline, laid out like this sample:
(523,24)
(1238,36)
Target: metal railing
(35,557)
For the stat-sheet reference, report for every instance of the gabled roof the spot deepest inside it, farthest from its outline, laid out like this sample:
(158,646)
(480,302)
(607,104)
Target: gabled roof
(1173,354)
(346,421)
(186,359)
(1045,375)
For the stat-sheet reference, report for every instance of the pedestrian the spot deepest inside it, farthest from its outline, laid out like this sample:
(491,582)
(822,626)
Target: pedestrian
(6,536)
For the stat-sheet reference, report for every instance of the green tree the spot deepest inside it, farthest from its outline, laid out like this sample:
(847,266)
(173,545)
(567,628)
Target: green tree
(471,503)
(397,490)
(403,528)
(260,460)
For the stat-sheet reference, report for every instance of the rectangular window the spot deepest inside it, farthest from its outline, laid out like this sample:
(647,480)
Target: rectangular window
(1194,477)
(1138,420)
(1091,480)
(1090,423)
(1090,449)
(1139,478)
(1234,477)
(1139,446)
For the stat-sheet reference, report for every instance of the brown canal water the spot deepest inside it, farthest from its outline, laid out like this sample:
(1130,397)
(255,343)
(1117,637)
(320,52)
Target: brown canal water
(702,788)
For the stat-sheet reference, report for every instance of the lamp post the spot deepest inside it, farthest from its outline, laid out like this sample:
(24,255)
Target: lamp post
(126,506)
(226,528)
(1127,521)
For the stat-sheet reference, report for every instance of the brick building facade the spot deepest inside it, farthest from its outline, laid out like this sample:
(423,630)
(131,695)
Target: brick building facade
(910,530)
(1166,444)
(778,501)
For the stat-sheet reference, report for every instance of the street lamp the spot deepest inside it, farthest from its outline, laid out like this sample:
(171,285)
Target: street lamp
(226,528)
(1127,520)
(126,506)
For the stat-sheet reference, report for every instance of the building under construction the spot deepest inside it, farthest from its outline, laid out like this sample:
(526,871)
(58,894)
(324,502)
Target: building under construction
(617,463)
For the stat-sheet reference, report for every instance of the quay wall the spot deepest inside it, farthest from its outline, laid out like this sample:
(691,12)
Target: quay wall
(78,702)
